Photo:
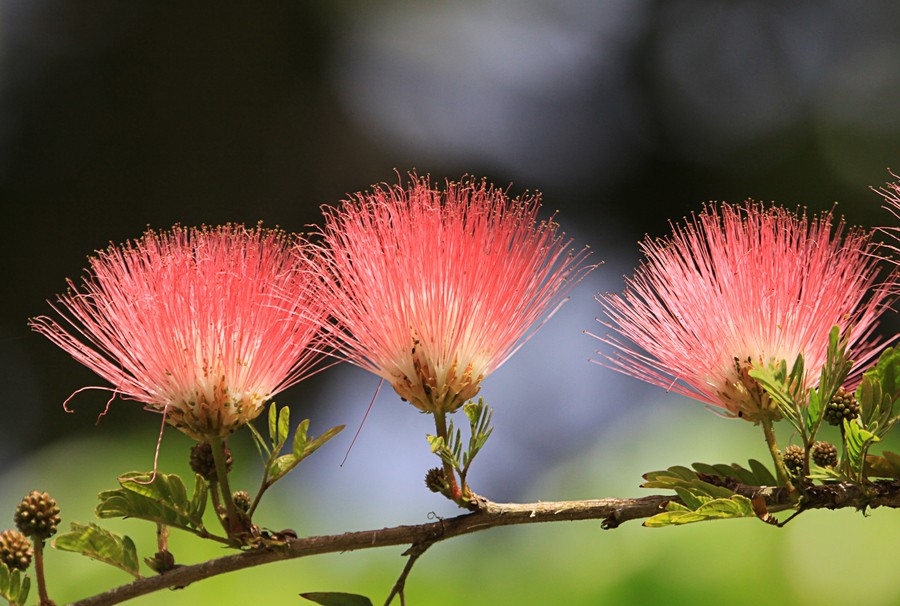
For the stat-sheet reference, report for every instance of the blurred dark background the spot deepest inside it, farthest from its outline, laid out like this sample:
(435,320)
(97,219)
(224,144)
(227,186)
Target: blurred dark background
(115,116)
(624,113)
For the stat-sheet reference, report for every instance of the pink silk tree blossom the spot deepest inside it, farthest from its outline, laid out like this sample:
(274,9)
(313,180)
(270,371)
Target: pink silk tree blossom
(739,287)
(433,290)
(891,194)
(194,323)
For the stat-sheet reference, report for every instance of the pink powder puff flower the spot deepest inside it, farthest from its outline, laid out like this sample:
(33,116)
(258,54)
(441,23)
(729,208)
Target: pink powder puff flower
(433,290)
(194,323)
(740,287)
(891,194)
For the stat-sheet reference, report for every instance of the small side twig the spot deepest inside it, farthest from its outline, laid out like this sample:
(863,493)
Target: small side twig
(414,553)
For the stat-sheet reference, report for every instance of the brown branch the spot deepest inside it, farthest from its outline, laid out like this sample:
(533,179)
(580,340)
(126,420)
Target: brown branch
(612,512)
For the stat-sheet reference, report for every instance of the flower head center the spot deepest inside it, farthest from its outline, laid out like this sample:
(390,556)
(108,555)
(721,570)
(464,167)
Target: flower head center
(431,388)
(743,396)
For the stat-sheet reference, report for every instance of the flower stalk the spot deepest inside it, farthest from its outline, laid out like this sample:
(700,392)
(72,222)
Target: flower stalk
(781,473)
(455,494)
(44,599)
(235,523)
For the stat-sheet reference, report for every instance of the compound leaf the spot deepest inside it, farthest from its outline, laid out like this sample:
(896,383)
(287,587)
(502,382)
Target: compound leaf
(736,506)
(164,500)
(14,585)
(102,545)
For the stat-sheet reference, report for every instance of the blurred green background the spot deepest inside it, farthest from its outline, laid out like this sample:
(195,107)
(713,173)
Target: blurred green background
(626,114)
(822,557)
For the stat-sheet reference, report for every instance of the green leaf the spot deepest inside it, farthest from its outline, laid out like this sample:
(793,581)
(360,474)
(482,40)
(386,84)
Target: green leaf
(337,599)
(685,482)
(676,471)
(164,500)
(856,442)
(436,443)
(757,475)
(14,585)
(281,466)
(887,372)
(199,499)
(825,474)
(474,411)
(875,406)
(814,408)
(837,365)
(314,445)
(785,389)
(24,586)
(301,449)
(736,506)
(833,374)
(100,544)
(479,415)
(762,474)
(284,426)
(692,498)
(261,446)
(300,438)
(439,448)
(273,423)
(718,469)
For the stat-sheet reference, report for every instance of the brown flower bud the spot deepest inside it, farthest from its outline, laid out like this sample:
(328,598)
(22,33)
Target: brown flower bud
(37,516)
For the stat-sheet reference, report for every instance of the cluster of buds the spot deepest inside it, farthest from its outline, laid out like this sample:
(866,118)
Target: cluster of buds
(15,550)
(436,481)
(794,457)
(242,500)
(842,406)
(37,516)
(824,454)
(203,462)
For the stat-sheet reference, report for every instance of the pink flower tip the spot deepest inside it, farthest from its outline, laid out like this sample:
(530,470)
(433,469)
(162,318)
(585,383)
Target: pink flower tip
(739,287)
(432,289)
(891,194)
(203,324)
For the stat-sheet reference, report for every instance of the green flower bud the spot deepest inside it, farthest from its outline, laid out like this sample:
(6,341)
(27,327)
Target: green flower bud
(824,454)
(842,406)
(242,500)
(794,457)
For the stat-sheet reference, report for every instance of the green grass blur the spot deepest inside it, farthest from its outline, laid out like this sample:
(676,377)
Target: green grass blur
(820,558)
